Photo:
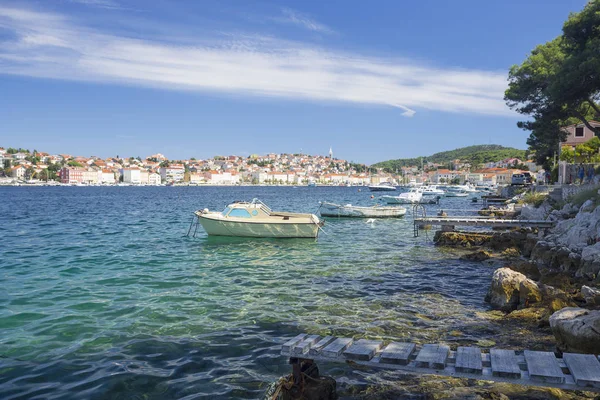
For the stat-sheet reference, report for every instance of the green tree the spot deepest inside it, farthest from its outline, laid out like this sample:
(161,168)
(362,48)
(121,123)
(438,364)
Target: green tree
(74,163)
(558,84)
(29,173)
(585,151)
(567,154)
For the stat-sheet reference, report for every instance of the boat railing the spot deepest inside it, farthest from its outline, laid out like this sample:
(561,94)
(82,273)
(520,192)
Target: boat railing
(262,205)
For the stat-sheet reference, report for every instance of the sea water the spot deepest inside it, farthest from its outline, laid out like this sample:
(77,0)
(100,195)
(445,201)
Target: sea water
(102,294)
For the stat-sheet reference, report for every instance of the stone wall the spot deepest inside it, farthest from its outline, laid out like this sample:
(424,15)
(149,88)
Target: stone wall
(569,191)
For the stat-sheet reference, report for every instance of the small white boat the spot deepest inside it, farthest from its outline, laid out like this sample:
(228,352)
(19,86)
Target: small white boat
(432,190)
(413,196)
(382,187)
(336,210)
(456,192)
(255,219)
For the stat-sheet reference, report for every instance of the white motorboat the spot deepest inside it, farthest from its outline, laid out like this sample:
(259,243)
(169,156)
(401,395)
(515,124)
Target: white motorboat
(382,187)
(413,196)
(255,219)
(456,192)
(336,210)
(432,190)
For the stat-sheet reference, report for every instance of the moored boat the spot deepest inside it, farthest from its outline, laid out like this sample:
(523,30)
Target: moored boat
(413,196)
(382,187)
(336,210)
(255,219)
(456,192)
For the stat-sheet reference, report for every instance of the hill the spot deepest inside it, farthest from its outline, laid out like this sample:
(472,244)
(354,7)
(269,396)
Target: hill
(475,155)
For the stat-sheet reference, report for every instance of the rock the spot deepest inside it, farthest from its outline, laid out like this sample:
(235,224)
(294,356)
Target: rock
(590,262)
(527,268)
(591,295)
(461,239)
(577,330)
(588,206)
(505,240)
(527,246)
(578,232)
(480,255)
(529,293)
(504,290)
(511,252)
(535,213)
(552,259)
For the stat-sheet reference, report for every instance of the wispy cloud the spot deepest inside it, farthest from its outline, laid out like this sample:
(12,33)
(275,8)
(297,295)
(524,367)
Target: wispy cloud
(110,4)
(302,20)
(54,46)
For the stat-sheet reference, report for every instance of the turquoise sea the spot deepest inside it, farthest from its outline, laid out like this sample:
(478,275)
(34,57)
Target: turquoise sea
(102,295)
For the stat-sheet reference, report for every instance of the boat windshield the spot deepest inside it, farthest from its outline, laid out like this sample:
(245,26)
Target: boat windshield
(225,211)
(240,213)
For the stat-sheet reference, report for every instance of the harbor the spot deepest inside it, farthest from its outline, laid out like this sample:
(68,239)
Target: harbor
(209,314)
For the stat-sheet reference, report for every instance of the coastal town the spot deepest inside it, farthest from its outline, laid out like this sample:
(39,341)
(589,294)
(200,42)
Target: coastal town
(25,167)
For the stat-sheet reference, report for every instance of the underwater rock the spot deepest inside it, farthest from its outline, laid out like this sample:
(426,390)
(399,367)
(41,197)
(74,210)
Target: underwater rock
(480,255)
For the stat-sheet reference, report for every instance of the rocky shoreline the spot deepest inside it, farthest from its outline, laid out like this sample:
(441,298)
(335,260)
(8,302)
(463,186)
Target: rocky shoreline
(548,279)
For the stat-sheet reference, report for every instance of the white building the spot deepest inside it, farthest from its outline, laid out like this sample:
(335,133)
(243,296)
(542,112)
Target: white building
(133,176)
(106,176)
(173,173)
(154,179)
(89,175)
(18,172)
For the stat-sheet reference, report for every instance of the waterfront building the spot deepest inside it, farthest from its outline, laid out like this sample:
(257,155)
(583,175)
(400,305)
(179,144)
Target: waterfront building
(196,177)
(444,176)
(132,175)
(173,173)
(70,175)
(221,177)
(18,172)
(106,176)
(89,176)
(154,178)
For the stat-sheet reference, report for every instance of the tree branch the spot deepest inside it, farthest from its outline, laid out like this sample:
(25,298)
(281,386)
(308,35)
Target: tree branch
(594,106)
(584,120)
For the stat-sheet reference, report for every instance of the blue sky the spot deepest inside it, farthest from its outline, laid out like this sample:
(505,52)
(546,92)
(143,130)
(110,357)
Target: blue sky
(373,80)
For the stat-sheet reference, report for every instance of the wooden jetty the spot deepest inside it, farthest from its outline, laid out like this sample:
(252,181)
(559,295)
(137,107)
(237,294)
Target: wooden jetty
(495,200)
(532,368)
(448,223)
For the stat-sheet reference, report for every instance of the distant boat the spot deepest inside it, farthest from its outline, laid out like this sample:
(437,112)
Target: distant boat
(336,210)
(432,190)
(255,219)
(311,184)
(382,187)
(456,192)
(413,196)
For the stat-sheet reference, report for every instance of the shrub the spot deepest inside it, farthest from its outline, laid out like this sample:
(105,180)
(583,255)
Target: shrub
(579,198)
(535,199)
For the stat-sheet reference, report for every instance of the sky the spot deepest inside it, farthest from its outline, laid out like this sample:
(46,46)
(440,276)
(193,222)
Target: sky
(374,81)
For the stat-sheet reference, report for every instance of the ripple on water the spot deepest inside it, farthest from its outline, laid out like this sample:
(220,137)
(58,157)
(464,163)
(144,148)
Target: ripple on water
(106,298)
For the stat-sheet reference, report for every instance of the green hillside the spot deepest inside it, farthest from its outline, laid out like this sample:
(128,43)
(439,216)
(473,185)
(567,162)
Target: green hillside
(475,155)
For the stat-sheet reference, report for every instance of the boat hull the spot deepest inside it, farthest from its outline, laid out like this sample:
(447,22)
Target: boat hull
(220,227)
(382,188)
(401,199)
(336,210)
